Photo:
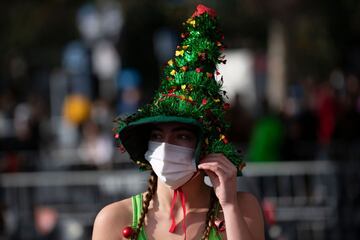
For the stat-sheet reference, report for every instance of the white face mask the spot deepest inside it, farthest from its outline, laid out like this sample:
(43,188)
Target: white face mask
(174,165)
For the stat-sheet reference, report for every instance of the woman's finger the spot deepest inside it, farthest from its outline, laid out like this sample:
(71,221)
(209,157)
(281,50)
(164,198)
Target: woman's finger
(216,168)
(217,157)
(216,164)
(213,166)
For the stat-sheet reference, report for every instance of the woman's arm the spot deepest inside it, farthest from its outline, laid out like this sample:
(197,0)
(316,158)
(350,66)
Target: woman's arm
(111,220)
(242,212)
(244,219)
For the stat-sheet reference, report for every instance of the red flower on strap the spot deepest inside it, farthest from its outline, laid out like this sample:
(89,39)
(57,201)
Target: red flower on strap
(201,9)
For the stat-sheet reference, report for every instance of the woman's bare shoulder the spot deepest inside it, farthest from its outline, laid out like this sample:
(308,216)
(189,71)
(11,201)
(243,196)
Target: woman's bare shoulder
(248,203)
(246,197)
(110,221)
(252,213)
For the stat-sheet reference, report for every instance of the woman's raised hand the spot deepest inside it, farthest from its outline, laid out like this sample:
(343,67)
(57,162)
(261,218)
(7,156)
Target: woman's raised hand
(222,174)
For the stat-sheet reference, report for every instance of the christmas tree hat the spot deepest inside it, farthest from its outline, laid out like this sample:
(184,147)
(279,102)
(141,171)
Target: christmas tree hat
(190,92)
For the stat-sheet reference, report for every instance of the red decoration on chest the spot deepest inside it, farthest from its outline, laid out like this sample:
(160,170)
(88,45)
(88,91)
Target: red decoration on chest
(127,232)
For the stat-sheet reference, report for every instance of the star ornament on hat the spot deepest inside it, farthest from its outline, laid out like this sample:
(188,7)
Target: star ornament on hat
(190,92)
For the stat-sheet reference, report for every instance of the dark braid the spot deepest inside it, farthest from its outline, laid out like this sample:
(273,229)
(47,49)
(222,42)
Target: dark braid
(210,216)
(152,185)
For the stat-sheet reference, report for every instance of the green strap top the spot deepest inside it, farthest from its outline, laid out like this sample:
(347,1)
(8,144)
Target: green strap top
(137,206)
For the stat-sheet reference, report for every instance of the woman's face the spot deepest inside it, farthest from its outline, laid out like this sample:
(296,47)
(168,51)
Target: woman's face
(174,133)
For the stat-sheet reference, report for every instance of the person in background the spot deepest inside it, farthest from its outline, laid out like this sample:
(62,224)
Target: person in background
(96,149)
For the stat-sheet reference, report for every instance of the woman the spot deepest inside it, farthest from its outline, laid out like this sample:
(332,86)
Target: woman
(180,136)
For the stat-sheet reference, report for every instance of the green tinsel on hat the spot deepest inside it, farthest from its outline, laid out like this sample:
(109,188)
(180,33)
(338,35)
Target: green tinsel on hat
(190,92)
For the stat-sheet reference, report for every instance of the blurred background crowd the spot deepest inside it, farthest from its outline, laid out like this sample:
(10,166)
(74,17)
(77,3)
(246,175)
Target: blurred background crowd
(67,68)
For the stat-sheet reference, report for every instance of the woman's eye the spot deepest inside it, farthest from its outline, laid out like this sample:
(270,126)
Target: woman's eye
(155,136)
(186,137)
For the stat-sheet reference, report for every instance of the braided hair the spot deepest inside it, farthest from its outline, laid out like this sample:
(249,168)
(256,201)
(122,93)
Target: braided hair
(152,185)
(210,216)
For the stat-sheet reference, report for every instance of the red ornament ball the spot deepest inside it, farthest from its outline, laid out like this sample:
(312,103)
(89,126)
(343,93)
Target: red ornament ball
(127,232)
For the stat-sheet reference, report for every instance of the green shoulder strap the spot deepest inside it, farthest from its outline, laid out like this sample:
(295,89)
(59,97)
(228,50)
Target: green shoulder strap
(137,206)
(214,235)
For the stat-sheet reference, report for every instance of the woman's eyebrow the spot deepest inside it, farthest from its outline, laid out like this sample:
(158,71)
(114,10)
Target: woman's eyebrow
(156,129)
(182,128)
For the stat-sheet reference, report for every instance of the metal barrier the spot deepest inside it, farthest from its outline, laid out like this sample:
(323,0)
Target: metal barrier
(302,196)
